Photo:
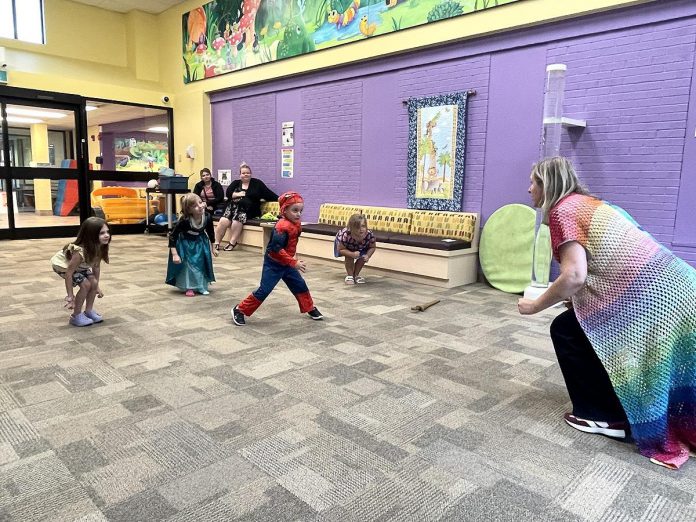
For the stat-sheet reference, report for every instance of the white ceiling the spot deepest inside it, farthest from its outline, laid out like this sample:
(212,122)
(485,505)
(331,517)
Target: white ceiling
(123,6)
(106,113)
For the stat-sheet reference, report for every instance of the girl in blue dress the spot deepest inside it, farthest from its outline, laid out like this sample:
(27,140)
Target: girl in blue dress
(190,266)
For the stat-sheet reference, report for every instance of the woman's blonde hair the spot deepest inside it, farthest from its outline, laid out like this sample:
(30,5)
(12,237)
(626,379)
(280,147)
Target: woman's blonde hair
(558,179)
(187,201)
(243,165)
(355,221)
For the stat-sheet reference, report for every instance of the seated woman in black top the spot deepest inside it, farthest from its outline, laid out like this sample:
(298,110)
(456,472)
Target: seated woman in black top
(210,191)
(243,201)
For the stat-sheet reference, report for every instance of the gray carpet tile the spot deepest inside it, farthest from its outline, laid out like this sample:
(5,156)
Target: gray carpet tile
(167,411)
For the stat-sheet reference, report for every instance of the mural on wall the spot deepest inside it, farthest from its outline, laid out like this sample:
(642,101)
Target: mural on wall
(436,151)
(228,35)
(140,155)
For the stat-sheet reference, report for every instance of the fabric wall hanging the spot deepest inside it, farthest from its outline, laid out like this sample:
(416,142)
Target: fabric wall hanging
(437,151)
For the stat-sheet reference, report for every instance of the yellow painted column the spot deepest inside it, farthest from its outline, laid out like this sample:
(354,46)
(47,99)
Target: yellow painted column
(39,154)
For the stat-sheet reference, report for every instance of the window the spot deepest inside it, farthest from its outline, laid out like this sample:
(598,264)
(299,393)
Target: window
(22,20)
(127,138)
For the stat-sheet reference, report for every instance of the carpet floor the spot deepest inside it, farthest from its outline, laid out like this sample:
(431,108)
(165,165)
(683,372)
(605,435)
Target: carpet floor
(168,411)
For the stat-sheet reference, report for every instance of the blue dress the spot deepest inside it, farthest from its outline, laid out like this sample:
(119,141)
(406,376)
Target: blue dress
(192,243)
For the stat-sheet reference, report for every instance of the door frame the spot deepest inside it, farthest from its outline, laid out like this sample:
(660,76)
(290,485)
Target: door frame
(84,176)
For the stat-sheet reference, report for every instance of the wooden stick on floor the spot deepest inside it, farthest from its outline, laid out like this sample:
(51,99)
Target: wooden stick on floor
(423,307)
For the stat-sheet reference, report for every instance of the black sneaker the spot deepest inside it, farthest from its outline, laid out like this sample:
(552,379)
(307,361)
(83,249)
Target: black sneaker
(615,430)
(315,314)
(238,317)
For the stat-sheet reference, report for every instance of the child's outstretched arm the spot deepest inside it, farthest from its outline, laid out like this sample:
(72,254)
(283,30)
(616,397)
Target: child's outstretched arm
(175,256)
(210,231)
(75,261)
(276,248)
(342,250)
(173,237)
(96,270)
(371,247)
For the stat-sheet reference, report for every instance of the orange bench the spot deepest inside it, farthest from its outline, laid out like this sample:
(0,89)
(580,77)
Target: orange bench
(119,204)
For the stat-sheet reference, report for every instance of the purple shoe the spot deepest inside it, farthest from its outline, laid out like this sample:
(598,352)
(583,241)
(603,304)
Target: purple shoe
(94,316)
(80,320)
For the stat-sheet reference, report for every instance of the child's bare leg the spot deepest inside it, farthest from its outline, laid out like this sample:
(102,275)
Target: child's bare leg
(349,263)
(359,264)
(92,293)
(85,287)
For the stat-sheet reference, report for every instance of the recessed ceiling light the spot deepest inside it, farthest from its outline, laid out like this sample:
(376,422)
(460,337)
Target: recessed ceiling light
(19,119)
(158,129)
(37,114)
(91,108)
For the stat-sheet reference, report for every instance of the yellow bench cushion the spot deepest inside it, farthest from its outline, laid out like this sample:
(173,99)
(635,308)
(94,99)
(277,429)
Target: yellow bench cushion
(337,215)
(455,225)
(387,219)
(270,206)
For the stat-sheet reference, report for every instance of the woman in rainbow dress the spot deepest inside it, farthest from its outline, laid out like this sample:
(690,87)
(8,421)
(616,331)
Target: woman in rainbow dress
(627,344)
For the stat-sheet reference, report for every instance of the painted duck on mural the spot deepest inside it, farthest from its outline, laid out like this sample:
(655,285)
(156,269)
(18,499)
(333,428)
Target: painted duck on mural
(342,19)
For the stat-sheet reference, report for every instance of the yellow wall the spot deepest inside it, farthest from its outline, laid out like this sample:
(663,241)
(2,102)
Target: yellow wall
(92,52)
(136,57)
(517,15)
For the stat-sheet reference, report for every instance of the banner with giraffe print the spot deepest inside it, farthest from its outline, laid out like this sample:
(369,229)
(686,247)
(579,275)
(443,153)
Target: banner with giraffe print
(228,35)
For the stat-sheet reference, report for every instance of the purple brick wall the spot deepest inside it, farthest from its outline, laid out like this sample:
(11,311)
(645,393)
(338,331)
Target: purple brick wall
(630,74)
(246,132)
(633,88)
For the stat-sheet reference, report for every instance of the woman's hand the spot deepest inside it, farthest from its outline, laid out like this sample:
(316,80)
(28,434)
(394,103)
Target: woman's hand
(366,258)
(301,266)
(176,259)
(100,294)
(527,306)
(215,249)
(69,302)
(355,255)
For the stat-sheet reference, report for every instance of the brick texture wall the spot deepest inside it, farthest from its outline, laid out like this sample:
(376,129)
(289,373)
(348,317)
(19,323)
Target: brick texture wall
(633,88)
(631,83)
(249,134)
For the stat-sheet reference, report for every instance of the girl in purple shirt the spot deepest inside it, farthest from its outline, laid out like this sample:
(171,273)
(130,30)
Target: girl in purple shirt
(356,244)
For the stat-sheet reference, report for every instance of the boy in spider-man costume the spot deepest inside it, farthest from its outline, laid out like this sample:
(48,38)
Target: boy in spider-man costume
(279,263)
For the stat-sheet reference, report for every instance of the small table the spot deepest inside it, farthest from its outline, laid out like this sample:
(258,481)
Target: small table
(168,204)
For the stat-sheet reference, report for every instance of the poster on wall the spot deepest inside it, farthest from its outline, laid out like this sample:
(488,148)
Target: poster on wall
(228,35)
(224,176)
(287,163)
(436,151)
(141,155)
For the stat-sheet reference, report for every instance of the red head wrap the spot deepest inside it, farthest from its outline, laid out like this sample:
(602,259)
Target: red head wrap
(288,198)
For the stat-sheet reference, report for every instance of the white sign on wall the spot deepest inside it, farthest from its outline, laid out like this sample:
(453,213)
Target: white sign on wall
(224,176)
(288,134)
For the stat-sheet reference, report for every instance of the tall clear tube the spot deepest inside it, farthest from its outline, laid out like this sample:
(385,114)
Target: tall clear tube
(552,129)
(554,93)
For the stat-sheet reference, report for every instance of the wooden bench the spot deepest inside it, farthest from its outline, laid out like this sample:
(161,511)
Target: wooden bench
(252,233)
(437,248)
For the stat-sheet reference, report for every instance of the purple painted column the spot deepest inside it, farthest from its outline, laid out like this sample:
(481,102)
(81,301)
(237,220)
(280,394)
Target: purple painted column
(289,108)
(685,224)
(514,126)
(382,109)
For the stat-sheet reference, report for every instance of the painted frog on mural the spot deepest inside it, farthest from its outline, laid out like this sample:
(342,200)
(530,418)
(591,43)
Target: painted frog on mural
(295,40)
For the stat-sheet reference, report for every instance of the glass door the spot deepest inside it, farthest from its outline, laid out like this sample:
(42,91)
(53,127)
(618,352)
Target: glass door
(41,166)
(65,157)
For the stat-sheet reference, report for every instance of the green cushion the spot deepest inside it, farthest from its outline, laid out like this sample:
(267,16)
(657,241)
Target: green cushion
(506,248)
